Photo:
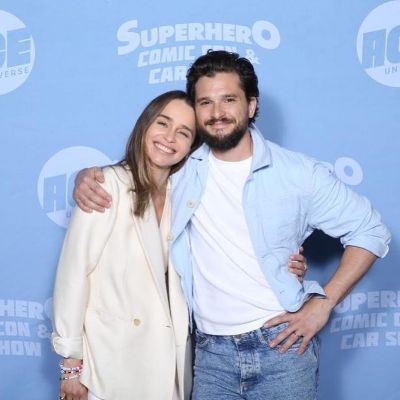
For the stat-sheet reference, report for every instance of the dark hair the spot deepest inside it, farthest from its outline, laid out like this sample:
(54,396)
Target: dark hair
(215,61)
(135,153)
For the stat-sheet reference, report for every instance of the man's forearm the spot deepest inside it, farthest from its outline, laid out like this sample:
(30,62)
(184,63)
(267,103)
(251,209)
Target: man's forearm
(354,264)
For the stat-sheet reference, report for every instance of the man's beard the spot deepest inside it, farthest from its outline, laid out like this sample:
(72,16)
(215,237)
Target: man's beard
(222,142)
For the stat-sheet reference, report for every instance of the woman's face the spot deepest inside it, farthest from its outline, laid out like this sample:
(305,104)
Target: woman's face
(170,136)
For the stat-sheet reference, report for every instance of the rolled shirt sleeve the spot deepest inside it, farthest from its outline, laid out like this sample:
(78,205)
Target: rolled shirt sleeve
(342,213)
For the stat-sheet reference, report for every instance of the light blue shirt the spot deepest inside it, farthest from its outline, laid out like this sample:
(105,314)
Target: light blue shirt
(286,196)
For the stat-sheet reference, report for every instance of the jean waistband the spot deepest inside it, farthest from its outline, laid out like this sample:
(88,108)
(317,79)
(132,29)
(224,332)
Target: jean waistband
(250,334)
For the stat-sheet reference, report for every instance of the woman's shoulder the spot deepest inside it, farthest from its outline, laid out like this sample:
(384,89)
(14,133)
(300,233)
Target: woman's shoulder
(117,175)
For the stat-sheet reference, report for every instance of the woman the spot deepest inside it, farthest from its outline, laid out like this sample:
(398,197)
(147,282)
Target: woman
(111,304)
(121,321)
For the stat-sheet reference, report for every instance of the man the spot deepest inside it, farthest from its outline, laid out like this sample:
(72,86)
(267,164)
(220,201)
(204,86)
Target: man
(241,206)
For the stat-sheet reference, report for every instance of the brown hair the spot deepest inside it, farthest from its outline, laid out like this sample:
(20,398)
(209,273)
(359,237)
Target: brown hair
(135,153)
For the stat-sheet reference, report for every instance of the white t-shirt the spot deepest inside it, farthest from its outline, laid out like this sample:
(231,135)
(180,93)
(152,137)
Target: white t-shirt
(231,294)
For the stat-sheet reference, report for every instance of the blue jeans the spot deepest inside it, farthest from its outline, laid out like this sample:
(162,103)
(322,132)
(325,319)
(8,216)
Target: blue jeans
(246,367)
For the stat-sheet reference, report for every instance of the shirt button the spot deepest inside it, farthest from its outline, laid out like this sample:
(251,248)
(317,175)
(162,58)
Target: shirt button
(190,203)
(136,322)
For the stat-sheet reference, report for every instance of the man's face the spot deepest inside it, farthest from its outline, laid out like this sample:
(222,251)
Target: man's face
(222,110)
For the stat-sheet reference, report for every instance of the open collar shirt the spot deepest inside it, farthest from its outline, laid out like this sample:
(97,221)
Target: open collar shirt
(286,196)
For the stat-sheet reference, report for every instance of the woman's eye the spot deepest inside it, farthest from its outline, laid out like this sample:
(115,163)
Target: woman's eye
(184,133)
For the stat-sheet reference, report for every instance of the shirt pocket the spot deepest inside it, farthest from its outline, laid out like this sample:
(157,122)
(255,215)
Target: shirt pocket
(282,220)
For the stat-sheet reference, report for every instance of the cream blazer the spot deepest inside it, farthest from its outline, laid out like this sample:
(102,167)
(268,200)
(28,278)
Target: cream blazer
(111,303)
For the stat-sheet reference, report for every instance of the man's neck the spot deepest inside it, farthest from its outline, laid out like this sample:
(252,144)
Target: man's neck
(242,151)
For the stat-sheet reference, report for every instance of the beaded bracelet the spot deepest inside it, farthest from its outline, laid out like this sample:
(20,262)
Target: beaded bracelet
(70,369)
(68,373)
(67,378)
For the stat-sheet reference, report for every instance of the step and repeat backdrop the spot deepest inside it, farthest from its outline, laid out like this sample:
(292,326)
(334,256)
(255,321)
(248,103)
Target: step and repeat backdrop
(74,77)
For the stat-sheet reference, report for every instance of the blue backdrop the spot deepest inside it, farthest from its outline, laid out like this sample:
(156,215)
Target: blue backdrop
(75,75)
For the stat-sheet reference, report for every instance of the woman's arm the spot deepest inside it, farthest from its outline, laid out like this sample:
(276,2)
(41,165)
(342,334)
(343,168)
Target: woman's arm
(84,242)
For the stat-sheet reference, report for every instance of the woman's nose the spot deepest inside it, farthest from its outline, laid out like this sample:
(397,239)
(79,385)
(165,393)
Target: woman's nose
(170,136)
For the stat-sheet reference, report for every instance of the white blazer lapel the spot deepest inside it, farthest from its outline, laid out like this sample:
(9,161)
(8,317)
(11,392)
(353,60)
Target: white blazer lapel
(151,242)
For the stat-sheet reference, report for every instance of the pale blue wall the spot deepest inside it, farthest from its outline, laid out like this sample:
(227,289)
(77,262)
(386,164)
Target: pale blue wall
(73,78)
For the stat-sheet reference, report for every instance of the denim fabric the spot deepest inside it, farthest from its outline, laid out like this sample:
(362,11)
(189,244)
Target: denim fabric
(246,367)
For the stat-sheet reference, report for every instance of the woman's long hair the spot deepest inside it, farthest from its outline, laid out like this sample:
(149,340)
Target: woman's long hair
(135,153)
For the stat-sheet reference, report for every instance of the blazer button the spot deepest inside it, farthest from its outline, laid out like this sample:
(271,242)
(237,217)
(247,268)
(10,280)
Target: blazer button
(170,236)
(190,203)
(136,322)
